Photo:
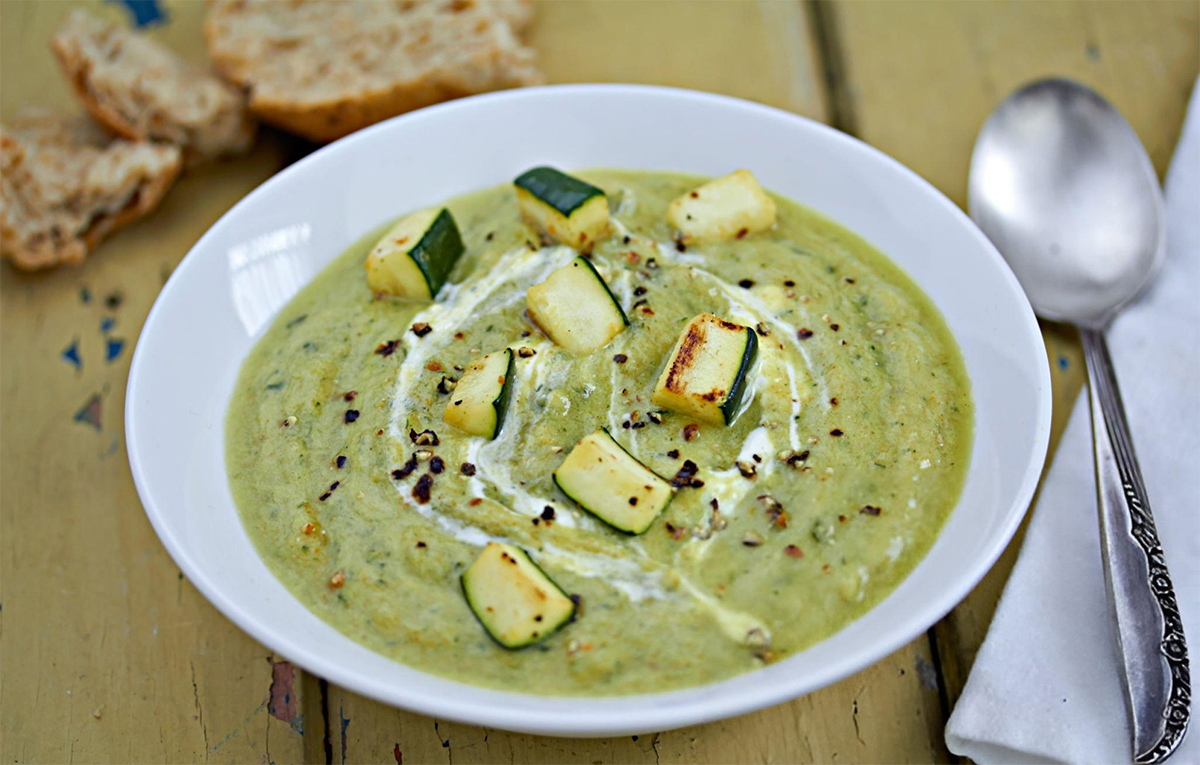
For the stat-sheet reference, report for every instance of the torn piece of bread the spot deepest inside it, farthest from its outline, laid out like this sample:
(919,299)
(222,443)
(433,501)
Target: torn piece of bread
(142,91)
(324,68)
(518,13)
(65,185)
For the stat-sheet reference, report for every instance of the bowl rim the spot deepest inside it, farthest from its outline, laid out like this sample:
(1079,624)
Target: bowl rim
(624,716)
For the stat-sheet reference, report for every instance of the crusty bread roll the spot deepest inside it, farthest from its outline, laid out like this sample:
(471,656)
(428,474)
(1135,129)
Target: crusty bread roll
(65,185)
(142,91)
(325,68)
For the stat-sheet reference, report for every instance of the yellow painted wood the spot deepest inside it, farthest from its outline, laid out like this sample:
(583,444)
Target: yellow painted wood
(761,50)
(109,655)
(923,76)
(887,713)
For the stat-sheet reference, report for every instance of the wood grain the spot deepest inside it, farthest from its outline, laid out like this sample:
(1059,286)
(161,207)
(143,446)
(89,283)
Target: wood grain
(762,51)
(922,77)
(109,655)
(888,713)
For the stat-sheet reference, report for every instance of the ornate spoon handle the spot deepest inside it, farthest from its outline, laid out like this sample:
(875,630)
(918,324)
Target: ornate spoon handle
(1149,630)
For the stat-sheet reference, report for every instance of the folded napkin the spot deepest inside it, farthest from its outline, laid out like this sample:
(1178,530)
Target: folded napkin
(1046,685)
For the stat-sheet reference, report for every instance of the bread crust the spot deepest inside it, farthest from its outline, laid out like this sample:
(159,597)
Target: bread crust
(76,70)
(479,52)
(65,187)
(140,90)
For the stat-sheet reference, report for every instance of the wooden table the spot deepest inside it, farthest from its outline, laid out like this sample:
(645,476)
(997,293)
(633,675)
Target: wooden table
(110,655)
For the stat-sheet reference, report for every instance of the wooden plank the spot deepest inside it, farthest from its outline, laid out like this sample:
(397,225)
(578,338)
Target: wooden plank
(762,50)
(109,654)
(890,712)
(887,713)
(923,76)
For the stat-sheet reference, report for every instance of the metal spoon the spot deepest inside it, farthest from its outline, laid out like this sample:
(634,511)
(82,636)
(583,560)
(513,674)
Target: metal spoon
(1062,186)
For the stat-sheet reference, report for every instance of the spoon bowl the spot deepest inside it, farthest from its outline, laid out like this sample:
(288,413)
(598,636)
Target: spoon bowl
(1062,186)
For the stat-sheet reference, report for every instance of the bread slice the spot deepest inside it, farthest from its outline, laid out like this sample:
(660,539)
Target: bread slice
(142,91)
(65,185)
(324,68)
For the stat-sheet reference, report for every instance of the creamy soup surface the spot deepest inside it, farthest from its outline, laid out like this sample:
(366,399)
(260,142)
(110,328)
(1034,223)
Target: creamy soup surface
(827,489)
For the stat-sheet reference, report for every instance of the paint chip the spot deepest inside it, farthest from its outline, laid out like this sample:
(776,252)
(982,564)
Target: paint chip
(281,700)
(145,12)
(113,348)
(926,674)
(92,412)
(70,355)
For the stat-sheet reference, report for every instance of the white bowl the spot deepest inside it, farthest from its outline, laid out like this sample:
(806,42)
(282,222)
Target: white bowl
(263,250)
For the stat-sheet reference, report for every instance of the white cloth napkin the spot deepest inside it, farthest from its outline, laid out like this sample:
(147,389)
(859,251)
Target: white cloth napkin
(1046,686)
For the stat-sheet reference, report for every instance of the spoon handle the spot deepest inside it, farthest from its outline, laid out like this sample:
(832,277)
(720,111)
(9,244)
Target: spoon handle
(1149,629)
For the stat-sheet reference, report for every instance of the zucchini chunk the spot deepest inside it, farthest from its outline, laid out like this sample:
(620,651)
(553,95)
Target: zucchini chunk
(705,376)
(566,209)
(575,307)
(513,599)
(611,484)
(730,207)
(415,257)
(479,401)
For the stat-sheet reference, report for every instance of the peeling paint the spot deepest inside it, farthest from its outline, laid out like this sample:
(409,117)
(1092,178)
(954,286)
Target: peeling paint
(145,12)
(92,412)
(113,348)
(70,354)
(281,700)
(345,724)
(926,674)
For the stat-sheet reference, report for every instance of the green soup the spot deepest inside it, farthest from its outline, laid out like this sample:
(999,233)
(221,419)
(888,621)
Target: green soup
(859,426)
